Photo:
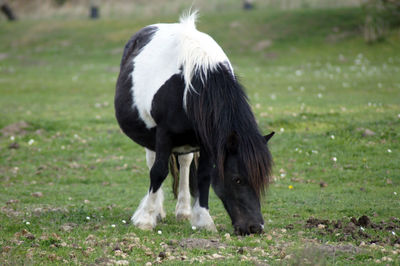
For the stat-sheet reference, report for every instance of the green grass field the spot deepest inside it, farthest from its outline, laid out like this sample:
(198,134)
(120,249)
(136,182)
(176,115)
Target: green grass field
(70,178)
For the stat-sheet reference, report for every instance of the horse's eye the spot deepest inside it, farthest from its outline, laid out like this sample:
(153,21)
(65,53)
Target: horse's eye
(237,180)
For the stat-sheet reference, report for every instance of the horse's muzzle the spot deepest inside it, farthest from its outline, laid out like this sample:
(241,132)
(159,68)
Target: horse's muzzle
(249,229)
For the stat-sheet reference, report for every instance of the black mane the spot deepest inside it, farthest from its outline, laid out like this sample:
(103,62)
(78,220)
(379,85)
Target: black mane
(219,109)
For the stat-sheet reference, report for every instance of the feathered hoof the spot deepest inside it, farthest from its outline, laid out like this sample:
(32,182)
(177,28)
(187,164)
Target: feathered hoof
(202,219)
(143,220)
(183,216)
(143,226)
(211,228)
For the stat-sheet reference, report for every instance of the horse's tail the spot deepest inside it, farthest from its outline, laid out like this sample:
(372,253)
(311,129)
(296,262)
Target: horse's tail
(193,175)
(174,170)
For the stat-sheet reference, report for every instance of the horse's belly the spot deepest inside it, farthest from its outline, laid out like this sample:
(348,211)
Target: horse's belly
(185,149)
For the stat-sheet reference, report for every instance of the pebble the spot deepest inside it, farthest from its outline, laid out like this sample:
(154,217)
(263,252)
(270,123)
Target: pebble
(217,256)
(321,226)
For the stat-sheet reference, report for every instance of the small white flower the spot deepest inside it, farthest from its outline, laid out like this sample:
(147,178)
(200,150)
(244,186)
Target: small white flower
(282,129)
(63,147)
(393,233)
(159,232)
(334,159)
(389,150)
(194,227)
(332,136)
(87,218)
(12,138)
(113,225)
(319,95)
(30,142)
(27,223)
(395,193)
(123,221)
(362,228)
(314,151)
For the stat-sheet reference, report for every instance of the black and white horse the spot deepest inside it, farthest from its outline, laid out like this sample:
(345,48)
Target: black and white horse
(177,93)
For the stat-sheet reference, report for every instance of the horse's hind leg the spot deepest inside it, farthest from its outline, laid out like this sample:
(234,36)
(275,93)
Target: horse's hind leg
(151,207)
(183,209)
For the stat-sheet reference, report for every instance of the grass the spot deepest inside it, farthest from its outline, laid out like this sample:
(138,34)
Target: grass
(316,83)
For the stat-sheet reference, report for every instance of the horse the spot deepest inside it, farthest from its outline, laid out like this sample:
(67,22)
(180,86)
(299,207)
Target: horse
(177,94)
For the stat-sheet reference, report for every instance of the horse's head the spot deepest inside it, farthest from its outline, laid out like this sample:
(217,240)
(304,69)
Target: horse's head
(239,193)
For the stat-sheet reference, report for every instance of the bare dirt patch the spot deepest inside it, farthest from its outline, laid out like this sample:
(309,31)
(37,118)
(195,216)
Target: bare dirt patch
(200,243)
(363,229)
(331,250)
(19,128)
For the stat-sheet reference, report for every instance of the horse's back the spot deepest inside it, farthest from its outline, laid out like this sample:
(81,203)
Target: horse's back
(157,66)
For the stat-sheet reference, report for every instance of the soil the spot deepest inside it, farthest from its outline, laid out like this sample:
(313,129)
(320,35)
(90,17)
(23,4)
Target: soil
(200,243)
(362,229)
(18,128)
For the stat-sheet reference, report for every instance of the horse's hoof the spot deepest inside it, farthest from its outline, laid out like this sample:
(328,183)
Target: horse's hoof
(145,227)
(183,216)
(144,221)
(211,227)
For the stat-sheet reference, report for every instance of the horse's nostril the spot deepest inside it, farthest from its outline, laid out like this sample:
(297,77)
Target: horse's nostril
(255,228)
(248,229)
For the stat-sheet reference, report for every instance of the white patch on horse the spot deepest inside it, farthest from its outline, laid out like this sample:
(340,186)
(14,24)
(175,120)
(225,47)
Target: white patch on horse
(201,218)
(183,210)
(153,66)
(151,207)
(149,211)
(172,46)
(150,158)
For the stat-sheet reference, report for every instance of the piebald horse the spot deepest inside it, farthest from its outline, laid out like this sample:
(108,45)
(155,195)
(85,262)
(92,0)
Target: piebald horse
(177,94)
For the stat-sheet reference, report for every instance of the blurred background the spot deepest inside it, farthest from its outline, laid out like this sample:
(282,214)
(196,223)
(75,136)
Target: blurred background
(116,8)
(378,14)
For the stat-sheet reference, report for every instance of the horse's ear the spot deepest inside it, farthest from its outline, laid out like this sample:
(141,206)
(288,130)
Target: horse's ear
(267,137)
(232,142)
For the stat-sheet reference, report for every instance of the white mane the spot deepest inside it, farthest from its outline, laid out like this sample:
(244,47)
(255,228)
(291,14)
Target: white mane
(198,51)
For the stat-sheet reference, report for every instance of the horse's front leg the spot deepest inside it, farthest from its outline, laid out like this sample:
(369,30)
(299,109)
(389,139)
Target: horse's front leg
(151,207)
(200,214)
